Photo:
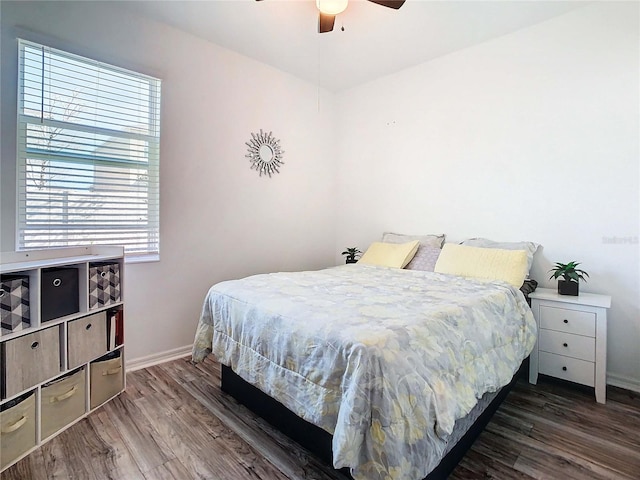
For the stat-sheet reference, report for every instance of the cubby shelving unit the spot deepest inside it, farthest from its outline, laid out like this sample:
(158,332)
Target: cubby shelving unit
(55,372)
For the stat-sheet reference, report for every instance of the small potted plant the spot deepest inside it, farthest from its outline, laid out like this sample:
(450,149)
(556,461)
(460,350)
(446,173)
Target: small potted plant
(571,275)
(352,254)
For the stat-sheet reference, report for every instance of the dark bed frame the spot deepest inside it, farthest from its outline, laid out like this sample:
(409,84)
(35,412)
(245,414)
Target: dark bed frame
(318,441)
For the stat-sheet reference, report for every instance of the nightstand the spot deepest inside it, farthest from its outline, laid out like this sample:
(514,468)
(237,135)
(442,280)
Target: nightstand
(572,338)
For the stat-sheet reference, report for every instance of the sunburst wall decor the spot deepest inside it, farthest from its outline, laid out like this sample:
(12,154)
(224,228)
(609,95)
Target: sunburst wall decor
(265,153)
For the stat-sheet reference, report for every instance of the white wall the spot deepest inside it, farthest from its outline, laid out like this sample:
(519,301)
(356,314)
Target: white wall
(483,142)
(219,219)
(532,136)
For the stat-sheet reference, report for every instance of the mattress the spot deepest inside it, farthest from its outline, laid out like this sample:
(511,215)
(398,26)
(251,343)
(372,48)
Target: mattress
(385,360)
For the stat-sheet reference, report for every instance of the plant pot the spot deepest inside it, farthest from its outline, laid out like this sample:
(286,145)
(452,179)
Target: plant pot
(566,287)
(351,260)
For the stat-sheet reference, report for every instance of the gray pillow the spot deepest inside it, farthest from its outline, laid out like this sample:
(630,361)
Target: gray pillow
(430,240)
(425,259)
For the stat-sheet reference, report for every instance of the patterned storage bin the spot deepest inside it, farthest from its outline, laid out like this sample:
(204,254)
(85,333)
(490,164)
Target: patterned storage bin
(104,284)
(14,302)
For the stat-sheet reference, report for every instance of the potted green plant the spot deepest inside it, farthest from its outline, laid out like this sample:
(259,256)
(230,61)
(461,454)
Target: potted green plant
(571,276)
(352,254)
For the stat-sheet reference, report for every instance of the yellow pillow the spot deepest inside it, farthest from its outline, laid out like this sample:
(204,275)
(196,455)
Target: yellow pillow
(395,255)
(486,263)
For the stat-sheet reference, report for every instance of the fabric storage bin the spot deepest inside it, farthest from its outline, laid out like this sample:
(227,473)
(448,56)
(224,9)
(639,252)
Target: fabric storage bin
(86,338)
(29,360)
(61,402)
(104,283)
(14,303)
(107,378)
(17,428)
(59,294)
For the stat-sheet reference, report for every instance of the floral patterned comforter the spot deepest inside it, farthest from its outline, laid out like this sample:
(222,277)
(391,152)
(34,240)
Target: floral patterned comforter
(384,359)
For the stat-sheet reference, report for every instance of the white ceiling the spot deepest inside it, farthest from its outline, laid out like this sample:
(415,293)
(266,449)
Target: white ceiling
(376,41)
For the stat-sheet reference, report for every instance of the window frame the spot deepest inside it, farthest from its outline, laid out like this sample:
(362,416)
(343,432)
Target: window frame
(151,153)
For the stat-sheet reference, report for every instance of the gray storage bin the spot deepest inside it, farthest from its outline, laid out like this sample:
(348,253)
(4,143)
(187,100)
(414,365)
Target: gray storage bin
(29,360)
(86,338)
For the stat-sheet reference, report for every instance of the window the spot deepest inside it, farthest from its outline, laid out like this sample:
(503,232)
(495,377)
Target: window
(88,153)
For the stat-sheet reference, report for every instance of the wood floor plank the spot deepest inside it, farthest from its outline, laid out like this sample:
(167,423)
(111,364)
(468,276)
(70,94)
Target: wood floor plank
(171,470)
(549,459)
(31,467)
(587,421)
(63,462)
(138,436)
(484,466)
(607,452)
(205,454)
(174,423)
(292,459)
(492,446)
(124,466)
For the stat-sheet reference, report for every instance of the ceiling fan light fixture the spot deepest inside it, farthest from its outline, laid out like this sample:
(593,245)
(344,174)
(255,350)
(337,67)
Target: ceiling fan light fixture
(332,7)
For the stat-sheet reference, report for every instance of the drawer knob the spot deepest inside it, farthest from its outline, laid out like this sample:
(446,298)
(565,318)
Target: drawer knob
(566,321)
(103,274)
(565,345)
(88,327)
(564,369)
(2,292)
(57,282)
(34,345)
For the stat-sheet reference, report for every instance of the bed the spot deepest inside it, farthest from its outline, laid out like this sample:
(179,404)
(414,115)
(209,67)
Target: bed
(391,366)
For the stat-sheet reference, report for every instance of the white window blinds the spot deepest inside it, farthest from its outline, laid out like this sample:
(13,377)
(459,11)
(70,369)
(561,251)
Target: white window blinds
(88,153)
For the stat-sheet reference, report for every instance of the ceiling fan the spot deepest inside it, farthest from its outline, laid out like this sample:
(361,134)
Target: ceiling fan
(328,9)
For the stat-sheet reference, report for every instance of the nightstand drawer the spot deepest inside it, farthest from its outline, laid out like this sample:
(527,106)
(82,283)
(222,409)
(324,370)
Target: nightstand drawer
(567,344)
(567,368)
(570,321)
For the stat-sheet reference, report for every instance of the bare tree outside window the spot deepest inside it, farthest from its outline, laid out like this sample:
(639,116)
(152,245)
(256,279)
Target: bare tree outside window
(63,108)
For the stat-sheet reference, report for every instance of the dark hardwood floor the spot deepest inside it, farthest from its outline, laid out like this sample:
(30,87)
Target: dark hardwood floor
(173,422)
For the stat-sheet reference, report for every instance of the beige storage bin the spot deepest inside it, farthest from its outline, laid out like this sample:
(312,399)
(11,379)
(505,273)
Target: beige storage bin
(17,429)
(87,338)
(30,359)
(107,379)
(62,401)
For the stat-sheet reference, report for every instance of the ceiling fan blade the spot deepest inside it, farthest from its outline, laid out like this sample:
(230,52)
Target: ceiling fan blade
(395,4)
(325,22)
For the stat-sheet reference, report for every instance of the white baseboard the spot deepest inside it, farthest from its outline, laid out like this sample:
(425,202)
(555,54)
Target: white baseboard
(622,381)
(156,358)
